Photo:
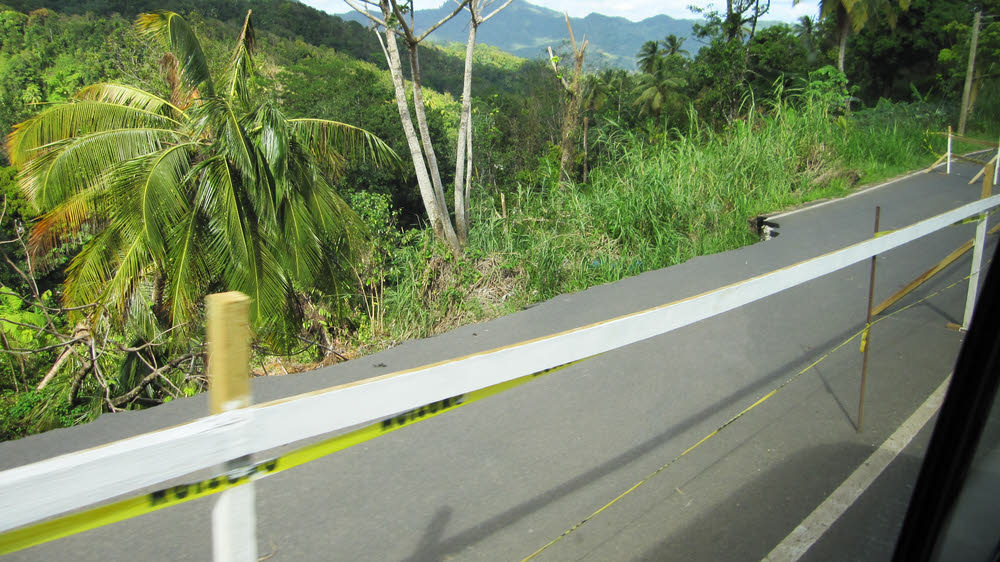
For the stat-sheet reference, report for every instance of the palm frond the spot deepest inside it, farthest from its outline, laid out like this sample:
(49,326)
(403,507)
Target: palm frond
(89,275)
(128,96)
(271,136)
(67,167)
(243,243)
(188,272)
(72,120)
(241,64)
(331,143)
(300,253)
(148,197)
(176,36)
(132,264)
(231,138)
(67,217)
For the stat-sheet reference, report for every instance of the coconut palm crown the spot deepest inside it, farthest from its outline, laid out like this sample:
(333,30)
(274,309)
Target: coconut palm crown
(212,189)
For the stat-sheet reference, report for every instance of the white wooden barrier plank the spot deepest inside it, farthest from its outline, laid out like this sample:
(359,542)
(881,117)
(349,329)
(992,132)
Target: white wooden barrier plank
(53,486)
(36,491)
(287,420)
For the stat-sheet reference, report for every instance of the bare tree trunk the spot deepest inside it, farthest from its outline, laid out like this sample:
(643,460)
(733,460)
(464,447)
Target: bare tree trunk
(572,115)
(976,83)
(425,133)
(438,219)
(967,90)
(570,121)
(464,129)
(586,122)
(468,171)
(425,161)
(79,331)
(566,141)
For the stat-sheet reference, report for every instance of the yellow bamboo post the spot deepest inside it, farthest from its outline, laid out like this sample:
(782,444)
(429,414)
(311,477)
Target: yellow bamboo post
(228,351)
(948,260)
(234,520)
(983,171)
(977,252)
(936,162)
(996,164)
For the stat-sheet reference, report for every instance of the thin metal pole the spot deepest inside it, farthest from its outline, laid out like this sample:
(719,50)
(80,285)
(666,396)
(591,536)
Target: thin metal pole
(949,150)
(868,332)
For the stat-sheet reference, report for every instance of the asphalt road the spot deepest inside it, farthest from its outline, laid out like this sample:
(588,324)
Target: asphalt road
(501,478)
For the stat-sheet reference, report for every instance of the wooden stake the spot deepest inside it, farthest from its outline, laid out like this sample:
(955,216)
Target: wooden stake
(996,165)
(234,519)
(936,162)
(868,332)
(228,351)
(983,171)
(977,252)
(973,140)
(969,160)
(959,252)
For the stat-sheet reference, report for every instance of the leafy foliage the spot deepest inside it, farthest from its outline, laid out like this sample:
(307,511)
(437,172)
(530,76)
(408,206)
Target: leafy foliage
(193,192)
(156,191)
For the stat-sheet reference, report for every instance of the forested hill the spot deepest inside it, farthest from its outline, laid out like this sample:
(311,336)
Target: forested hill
(295,21)
(526,30)
(318,65)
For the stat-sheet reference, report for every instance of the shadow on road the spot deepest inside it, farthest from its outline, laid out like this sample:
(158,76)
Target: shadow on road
(433,547)
(758,519)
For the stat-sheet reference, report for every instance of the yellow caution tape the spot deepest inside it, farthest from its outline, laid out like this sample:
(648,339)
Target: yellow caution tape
(67,525)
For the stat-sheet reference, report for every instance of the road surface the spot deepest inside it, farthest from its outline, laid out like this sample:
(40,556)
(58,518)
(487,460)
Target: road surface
(499,479)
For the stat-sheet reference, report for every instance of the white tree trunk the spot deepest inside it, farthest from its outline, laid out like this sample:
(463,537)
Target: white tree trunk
(432,204)
(425,132)
(468,172)
(464,129)
(424,160)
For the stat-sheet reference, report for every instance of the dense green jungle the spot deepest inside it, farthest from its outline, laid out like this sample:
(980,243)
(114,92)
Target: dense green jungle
(159,151)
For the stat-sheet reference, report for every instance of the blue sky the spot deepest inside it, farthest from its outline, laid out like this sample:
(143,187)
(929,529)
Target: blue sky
(632,9)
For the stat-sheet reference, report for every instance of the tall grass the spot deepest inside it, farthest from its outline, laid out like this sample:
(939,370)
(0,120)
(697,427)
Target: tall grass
(651,204)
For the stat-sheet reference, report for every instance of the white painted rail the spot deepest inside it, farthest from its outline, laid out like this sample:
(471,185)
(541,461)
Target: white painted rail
(43,489)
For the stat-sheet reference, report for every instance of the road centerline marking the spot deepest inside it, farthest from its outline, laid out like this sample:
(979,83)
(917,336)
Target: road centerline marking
(812,528)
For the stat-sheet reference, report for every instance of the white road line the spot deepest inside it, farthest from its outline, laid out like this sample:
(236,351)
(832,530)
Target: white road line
(799,541)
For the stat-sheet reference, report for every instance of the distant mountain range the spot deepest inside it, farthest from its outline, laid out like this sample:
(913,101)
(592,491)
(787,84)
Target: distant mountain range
(526,30)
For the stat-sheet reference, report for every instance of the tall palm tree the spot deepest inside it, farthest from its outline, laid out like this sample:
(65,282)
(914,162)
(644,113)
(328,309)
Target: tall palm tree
(672,45)
(855,14)
(648,54)
(805,30)
(658,90)
(210,188)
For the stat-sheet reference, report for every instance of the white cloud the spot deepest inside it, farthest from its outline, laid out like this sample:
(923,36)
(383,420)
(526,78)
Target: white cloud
(634,10)
(640,9)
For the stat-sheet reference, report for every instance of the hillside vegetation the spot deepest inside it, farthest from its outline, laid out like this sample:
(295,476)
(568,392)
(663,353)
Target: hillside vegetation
(663,164)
